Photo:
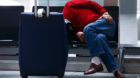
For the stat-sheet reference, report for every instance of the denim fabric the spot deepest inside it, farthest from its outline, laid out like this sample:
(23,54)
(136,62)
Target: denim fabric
(97,34)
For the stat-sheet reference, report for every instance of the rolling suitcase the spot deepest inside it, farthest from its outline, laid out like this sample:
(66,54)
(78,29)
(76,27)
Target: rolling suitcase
(42,45)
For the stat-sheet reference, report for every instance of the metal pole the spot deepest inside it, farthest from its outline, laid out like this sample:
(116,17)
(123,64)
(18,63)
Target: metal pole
(47,8)
(35,9)
(121,57)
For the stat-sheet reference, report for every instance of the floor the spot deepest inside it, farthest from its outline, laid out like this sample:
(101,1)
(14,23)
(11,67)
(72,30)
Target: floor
(15,74)
(76,65)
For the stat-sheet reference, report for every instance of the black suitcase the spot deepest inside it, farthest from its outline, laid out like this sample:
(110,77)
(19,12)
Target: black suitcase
(42,45)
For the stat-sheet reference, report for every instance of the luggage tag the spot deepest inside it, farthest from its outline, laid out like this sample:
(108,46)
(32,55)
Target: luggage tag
(42,13)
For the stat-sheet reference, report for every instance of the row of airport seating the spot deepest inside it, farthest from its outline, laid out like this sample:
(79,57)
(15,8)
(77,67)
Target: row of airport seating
(9,23)
(9,26)
(10,33)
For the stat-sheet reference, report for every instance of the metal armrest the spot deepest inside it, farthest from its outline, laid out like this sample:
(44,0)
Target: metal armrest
(70,31)
(67,21)
(69,25)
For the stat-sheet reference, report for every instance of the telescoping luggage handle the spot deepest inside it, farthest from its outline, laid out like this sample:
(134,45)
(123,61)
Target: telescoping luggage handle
(47,9)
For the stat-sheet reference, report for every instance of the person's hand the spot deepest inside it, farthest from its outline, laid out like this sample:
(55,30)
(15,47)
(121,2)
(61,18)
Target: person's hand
(108,18)
(80,36)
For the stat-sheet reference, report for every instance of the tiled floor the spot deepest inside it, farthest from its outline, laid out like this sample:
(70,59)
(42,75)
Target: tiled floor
(9,67)
(15,74)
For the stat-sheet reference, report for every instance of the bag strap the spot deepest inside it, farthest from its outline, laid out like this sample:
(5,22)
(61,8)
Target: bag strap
(47,9)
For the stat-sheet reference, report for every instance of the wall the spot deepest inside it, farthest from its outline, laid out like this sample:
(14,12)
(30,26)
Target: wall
(110,2)
(128,22)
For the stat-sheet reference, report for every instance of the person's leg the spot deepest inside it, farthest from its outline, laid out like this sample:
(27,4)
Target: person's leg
(95,47)
(108,57)
(92,41)
(95,35)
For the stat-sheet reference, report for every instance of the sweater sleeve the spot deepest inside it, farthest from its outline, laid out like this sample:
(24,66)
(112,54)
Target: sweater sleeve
(67,12)
(97,7)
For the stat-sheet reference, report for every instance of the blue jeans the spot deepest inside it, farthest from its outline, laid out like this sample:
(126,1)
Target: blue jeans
(97,34)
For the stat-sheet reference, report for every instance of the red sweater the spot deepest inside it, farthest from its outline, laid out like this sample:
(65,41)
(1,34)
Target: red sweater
(82,12)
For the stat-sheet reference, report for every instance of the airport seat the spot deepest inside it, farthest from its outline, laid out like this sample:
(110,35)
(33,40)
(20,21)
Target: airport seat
(114,12)
(75,43)
(42,45)
(9,23)
(52,8)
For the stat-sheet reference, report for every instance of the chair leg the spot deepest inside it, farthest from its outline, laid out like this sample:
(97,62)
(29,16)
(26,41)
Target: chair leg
(121,58)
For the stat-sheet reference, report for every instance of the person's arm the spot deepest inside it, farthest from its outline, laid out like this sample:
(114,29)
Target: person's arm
(80,36)
(88,4)
(101,11)
(68,14)
(96,7)
(107,17)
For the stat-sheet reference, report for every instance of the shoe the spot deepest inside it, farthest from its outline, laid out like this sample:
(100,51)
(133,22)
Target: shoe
(93,69)
(118,74)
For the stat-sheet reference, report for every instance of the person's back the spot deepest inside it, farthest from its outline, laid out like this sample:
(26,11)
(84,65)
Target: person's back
(81,13)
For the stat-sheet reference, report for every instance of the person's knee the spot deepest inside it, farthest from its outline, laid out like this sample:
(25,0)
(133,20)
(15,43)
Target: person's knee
(101,36)
(86,29)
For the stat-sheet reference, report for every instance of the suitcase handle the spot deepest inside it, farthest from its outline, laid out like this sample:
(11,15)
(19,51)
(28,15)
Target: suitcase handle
(47,9)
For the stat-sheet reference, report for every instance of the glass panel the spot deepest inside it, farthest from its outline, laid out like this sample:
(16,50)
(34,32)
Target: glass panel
(138,19)
(138,6)
(8,3)
(62,2)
